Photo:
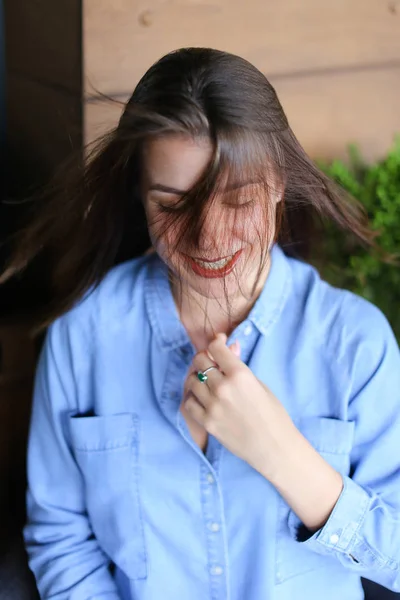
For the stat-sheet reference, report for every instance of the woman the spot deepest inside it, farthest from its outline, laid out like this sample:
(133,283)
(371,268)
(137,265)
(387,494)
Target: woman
(210,419)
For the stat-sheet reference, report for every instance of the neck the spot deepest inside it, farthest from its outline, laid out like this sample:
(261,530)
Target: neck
(204,317)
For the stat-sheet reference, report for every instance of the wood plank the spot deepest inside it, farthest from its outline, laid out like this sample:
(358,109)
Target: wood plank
(15,411)
(326,111)
(44,127)
(43,41)
(123,38)
(18,352)
(100,116)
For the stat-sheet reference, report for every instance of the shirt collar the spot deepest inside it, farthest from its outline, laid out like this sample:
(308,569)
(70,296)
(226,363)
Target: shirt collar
(164,317)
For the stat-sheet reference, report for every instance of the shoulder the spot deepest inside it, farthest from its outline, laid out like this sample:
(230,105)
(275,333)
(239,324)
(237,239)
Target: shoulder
(116,294)
(338,320)
(119,294)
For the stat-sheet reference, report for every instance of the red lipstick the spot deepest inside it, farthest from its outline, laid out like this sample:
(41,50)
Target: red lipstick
(214,273)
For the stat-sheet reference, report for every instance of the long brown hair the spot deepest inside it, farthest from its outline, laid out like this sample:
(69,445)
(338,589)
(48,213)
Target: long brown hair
(94,218)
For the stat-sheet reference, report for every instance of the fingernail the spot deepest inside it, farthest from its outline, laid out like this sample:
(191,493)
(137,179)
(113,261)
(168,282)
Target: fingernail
(235,347)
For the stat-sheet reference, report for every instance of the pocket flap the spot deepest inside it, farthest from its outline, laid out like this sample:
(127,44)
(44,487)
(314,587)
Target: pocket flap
(102,432)
(328,435)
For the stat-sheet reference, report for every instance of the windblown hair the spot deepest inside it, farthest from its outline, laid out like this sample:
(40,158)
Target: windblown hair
(95,218)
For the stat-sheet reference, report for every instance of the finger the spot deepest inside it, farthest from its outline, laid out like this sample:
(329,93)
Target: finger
(199,390)
(195,410)
(201,362)
(235,348)
(223,356)
(222,336)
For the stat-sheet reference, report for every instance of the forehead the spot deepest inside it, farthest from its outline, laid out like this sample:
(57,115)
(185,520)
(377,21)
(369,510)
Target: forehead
(176,161)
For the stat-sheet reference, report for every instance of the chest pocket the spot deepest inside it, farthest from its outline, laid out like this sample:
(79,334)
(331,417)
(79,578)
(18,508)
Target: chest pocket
(333,439)
(106,449)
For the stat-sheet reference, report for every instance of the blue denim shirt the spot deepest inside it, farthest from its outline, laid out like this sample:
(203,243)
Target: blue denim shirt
(122,504)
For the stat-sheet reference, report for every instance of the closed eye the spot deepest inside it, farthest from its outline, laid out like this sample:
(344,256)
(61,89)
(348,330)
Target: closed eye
(240,203)
(171,208)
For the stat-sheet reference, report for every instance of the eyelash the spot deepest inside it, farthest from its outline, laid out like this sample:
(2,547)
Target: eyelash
(175,208)
(247,204)
(168,209)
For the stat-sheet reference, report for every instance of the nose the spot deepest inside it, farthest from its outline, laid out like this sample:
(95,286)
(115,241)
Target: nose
(216,235)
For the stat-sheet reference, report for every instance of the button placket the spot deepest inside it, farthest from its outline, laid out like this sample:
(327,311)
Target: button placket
(170,394)
(334,538)
(210,495)
(248,330)
(213,518)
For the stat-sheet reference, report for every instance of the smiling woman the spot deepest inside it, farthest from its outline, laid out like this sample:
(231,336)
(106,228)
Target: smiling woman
(237,229)
(207,121)
(205,418)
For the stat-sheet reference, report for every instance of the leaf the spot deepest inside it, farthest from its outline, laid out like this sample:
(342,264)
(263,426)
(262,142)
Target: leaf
(349,266)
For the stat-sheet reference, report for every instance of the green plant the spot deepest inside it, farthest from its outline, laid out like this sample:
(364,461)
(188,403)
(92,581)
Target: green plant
(348,265)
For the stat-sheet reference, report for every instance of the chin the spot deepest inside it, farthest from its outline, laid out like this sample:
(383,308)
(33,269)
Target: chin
(214,288)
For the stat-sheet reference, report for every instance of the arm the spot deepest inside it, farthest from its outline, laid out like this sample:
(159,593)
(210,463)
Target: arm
(357,518)
(63,553)
(309,484)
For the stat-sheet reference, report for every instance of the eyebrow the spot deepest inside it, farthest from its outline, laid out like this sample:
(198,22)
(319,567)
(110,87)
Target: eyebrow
(170,190)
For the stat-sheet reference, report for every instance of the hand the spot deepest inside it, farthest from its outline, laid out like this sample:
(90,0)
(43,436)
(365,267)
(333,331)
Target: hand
(237,408)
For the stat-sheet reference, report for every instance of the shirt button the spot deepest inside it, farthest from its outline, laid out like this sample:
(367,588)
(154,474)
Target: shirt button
(334,538)
(210,478)
(216,570)
(248,329)
(214,527)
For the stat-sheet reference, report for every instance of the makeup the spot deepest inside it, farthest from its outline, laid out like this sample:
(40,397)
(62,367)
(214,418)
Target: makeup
(213,269)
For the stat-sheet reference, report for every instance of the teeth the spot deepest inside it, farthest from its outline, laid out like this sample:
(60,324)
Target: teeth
(219,264)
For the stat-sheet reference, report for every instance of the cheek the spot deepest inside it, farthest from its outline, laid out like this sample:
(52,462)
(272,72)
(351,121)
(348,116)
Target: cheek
(257,231)
(156,222)
(252,227)
(162,236)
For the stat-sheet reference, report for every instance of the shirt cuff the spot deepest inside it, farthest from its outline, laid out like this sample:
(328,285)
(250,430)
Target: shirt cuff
(339,534)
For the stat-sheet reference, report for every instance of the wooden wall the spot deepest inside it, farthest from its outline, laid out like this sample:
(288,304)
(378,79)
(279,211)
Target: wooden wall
(43,125)
(336,65)
(43,85)
(18,355)
(43,120)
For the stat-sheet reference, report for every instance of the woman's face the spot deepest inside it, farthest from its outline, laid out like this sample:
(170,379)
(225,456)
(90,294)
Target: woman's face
(230,247)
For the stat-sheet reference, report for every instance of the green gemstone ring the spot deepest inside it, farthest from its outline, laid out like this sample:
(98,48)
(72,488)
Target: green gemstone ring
(202,375)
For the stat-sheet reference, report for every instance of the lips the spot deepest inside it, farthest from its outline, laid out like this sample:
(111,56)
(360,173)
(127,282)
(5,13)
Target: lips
(214,269)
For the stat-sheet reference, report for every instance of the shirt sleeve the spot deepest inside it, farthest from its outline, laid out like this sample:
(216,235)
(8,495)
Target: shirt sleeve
(63,554)
(363,530)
